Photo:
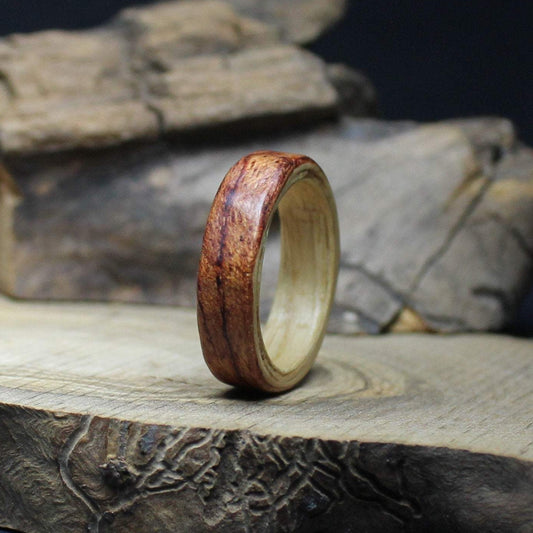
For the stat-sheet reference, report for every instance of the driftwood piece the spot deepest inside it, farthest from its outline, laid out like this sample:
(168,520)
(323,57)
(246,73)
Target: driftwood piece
(110,421)
(171,67)
(436,221)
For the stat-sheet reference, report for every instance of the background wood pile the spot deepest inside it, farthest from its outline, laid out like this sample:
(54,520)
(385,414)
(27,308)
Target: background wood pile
(114,141)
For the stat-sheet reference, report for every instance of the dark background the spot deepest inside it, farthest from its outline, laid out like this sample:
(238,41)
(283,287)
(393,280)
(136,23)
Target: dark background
(436,59)
(429,59)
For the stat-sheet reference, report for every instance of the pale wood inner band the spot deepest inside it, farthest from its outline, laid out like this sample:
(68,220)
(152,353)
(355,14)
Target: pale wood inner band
(307,275)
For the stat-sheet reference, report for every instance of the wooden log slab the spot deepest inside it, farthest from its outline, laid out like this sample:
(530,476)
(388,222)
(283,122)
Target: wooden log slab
(110,421)
(436,221)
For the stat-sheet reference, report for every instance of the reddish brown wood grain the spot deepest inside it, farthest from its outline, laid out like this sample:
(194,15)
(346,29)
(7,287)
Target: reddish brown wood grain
(230,265)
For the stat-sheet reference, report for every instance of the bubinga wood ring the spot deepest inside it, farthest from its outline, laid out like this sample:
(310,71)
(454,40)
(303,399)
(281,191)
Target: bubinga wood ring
(229,275)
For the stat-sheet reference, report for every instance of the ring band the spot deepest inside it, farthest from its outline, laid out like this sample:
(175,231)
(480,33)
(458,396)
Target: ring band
(229,275)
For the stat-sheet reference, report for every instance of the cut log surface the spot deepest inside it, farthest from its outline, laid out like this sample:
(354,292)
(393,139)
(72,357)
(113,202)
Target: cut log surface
(111,421)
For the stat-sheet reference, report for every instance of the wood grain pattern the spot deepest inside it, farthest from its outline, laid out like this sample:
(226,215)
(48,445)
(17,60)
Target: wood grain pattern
(111,422)
(230,271)
(162,69)
(127,224)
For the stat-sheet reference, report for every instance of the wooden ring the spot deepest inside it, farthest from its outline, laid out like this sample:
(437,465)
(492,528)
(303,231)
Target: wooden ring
(230,271)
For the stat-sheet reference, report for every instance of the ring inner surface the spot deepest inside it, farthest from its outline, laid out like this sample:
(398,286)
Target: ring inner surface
(307,272)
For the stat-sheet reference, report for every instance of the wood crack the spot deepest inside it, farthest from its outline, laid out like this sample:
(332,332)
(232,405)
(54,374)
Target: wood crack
(158,114)
(450,237)
(64,470)
(401,508)
(6,84)
(514,233)
(377,279)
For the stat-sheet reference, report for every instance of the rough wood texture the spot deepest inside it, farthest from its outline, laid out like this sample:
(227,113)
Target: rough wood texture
(235,348)
(298,20)
(436,221)
(110,421)
(167,68)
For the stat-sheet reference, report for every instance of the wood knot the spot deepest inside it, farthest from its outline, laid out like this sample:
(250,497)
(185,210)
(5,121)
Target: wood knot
(117,473)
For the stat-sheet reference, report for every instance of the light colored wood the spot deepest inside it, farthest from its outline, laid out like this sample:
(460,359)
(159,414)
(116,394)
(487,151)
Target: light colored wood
(142,363)
(229,277)
(110,421)
(166,68)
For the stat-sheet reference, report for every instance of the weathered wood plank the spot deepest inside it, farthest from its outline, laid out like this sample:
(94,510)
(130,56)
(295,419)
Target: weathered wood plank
(166,68)
(110,418)
(430,221)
